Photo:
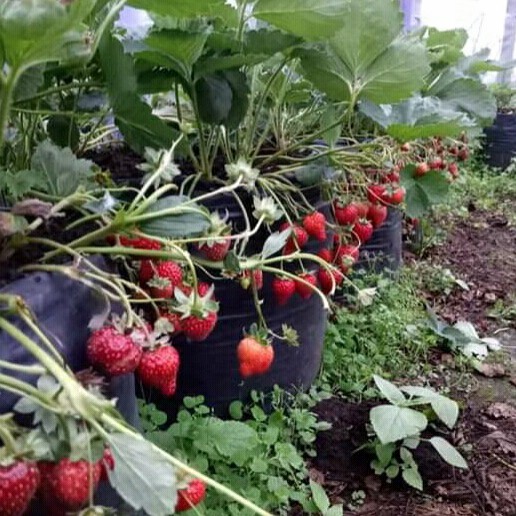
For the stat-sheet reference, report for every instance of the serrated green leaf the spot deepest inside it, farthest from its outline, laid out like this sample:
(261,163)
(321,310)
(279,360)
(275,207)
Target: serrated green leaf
(215,97)
(187,221)
(406,455)
(142,476)
(389,390)
(304,18)
(392,423)
(335,510)
(448,452)
(62,171)
(418,117)
(412,478)
(182,47)
(319,496)
(227,437)
(423,192)
(366,58)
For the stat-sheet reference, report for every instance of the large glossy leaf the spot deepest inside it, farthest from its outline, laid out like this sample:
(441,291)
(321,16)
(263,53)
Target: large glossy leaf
(369,27)
(214,96)
(186,222)
(446,46)
(312,20)
(132,115)
(418,117)
(468,95)
(392,423)
(184,48)
(366,58)
(423,192)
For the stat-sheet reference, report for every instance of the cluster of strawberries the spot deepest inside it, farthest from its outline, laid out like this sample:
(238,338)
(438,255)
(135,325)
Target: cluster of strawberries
(65,486)
(439,155)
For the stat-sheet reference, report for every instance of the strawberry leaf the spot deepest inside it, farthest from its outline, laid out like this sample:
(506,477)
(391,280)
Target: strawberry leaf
(142,476)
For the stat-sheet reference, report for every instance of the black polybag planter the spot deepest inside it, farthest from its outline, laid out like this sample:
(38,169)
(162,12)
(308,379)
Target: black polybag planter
(210,368)
(500,145)
(63,308)
(384,249)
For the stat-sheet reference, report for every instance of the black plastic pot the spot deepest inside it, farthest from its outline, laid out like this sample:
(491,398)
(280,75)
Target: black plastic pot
(210,368)
(500,146)
(384,250)
(63,308)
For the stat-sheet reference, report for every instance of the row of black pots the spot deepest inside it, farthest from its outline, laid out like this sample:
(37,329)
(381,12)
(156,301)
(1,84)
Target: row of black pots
(500,142)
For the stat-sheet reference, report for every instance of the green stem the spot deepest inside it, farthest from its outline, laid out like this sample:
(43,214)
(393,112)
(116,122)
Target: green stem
(26,369)
(28,391)
(59,89)
(205,170)
(6,101)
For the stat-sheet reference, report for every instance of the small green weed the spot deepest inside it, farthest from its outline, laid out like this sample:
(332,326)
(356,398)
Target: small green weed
(388,338)
(260,455)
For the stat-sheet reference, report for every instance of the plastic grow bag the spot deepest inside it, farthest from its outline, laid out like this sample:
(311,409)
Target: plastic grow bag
(500,145)
(63,309)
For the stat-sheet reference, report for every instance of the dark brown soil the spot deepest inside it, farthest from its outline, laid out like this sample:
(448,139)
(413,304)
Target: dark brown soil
(488,487)
(482,252)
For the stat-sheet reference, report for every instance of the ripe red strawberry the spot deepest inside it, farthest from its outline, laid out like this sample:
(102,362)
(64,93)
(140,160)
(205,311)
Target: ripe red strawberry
(66,484)
(363,230)
(453,169)
(198,328)
(107,462)
(315,225)
(436,164)
(254,357)
(215,250)
(139,243)
(146,271)
(325,279)
(454,151)
(345,215)
(363,208)
(397,196)
(463,154)
(18,484)
(283,289)
(393,176)
(304,291)
(112,351)
(257,275)
(376,193)
(191,496)
(171,271)
(377,214)
(158,368)
(326,254)
(299,236)
(422,169)
(174,319)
